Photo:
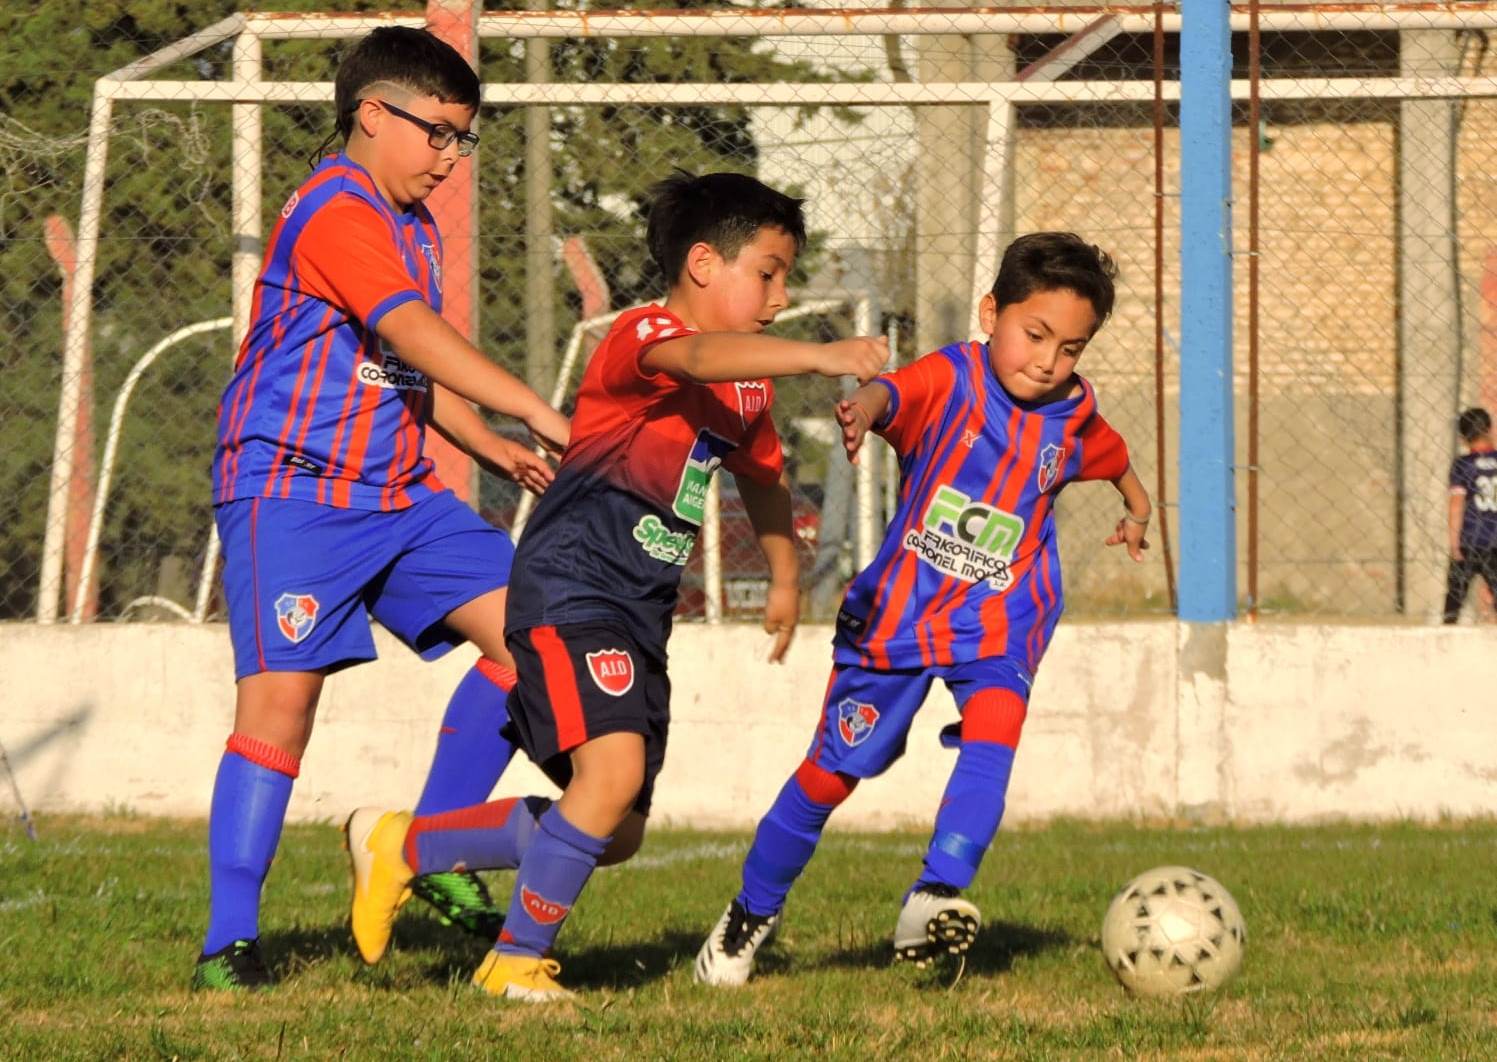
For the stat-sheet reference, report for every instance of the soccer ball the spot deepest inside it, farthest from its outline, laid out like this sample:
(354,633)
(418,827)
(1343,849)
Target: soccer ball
(1172,931)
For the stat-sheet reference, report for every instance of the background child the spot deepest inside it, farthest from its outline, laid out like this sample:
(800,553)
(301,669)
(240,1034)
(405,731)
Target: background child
(673,392)
(1473,514)
(966,587)
(325,504)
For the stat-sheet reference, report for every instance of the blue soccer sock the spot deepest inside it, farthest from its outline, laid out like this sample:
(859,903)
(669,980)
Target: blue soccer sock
(492,836)
(471,753)
(972,806)
(551,876)
(250,796)
(787,836)
(971,810)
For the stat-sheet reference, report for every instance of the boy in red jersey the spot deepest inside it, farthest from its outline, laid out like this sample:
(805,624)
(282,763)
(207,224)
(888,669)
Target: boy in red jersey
(966,588)
(325,504)
(673,392)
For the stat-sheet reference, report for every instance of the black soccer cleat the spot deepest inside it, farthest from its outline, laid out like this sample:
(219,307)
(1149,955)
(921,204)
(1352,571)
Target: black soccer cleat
(461,899)
(236,967)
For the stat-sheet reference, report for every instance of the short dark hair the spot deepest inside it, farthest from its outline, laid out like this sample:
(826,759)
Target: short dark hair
(722,210)
(1056,261)
(413,59)
(1474,423)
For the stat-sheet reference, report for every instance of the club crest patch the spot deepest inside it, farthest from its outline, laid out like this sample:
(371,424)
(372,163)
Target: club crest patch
(1051,458)
(541,909)
(753,399)
(290,207)
(296,615)
(612,671)
(855,721)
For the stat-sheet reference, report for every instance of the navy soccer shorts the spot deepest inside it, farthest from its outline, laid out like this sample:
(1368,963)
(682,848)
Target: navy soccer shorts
(301,579)
(580,681)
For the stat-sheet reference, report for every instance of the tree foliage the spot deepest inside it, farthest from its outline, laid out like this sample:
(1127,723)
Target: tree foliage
(166,237)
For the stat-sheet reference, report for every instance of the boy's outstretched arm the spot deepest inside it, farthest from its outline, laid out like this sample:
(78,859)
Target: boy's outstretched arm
(460,424)
(858,413)
(715,357)
(1136,513)
(768,508)
(430,344)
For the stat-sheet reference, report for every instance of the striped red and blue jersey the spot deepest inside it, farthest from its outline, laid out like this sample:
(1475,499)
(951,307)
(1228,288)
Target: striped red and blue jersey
(318,408)
(610,537)
(969,567)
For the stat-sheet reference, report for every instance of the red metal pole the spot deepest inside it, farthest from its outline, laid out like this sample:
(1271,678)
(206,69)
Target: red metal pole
(454,204)
(64,251)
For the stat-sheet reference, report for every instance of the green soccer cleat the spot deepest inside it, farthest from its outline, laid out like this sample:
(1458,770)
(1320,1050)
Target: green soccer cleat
(237,967)
(461,900)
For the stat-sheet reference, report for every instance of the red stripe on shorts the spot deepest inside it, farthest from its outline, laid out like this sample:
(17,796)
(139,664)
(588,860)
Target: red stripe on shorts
(561,687)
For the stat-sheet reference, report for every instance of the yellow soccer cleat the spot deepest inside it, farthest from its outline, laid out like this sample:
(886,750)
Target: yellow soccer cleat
(375,840)
(522,977)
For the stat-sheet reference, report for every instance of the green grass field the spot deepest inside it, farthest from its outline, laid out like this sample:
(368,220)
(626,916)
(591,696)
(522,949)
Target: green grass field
(1364,942)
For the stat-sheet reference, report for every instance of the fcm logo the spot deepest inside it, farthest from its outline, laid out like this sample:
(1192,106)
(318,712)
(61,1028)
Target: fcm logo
(979,526)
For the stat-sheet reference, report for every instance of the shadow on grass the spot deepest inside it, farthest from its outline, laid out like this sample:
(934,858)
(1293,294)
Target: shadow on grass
(293,951)
(994,951)
(448,954)
(616,967)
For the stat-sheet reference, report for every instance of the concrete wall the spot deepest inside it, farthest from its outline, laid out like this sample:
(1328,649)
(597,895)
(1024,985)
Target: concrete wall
(1249,723)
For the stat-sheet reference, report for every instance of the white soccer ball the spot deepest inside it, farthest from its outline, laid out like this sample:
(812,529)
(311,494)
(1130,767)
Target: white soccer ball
(1172,931)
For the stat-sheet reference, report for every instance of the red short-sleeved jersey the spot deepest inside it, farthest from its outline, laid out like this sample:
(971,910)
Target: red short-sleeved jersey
(611,535)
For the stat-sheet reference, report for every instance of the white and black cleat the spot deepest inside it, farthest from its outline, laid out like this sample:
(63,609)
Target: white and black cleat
(727,957)
(935,921)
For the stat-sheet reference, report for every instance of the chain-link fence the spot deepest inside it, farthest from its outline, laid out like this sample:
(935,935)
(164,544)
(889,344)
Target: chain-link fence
(922,140)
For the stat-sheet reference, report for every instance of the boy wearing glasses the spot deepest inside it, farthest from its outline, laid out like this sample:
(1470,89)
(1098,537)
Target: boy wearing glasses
(325,504)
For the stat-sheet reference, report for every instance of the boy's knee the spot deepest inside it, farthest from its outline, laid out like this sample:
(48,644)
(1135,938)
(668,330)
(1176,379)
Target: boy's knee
(995,716)
(278,708)
(626,840)
(823,786)
(609,770)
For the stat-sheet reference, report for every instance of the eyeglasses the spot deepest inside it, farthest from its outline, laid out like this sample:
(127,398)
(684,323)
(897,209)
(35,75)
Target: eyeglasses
(438,135)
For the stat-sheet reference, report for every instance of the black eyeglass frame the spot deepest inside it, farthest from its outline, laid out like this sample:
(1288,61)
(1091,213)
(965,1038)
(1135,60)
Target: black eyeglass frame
(438,136)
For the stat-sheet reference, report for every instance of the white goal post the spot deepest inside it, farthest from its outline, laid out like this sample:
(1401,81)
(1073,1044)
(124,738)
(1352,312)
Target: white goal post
(247,92)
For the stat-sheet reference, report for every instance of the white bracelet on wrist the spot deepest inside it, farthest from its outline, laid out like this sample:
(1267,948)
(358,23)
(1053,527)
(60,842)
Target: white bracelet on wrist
(1143,520)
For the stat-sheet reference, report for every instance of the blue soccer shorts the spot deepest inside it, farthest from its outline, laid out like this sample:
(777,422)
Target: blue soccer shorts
(301,579)
(866,717)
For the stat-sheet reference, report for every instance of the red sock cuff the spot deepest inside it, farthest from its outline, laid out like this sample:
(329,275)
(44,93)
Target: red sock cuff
(823,786)
(490,816)
(264,754)
(994,715)
(497,673)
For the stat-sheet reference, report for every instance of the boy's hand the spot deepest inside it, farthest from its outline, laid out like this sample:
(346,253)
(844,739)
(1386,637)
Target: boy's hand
(1130,532)
(854,421)
(522,465)
(781,614)
(860,356)
(1456,553)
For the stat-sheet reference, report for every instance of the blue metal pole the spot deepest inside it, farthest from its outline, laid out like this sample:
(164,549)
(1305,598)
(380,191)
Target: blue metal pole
(1208,533)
